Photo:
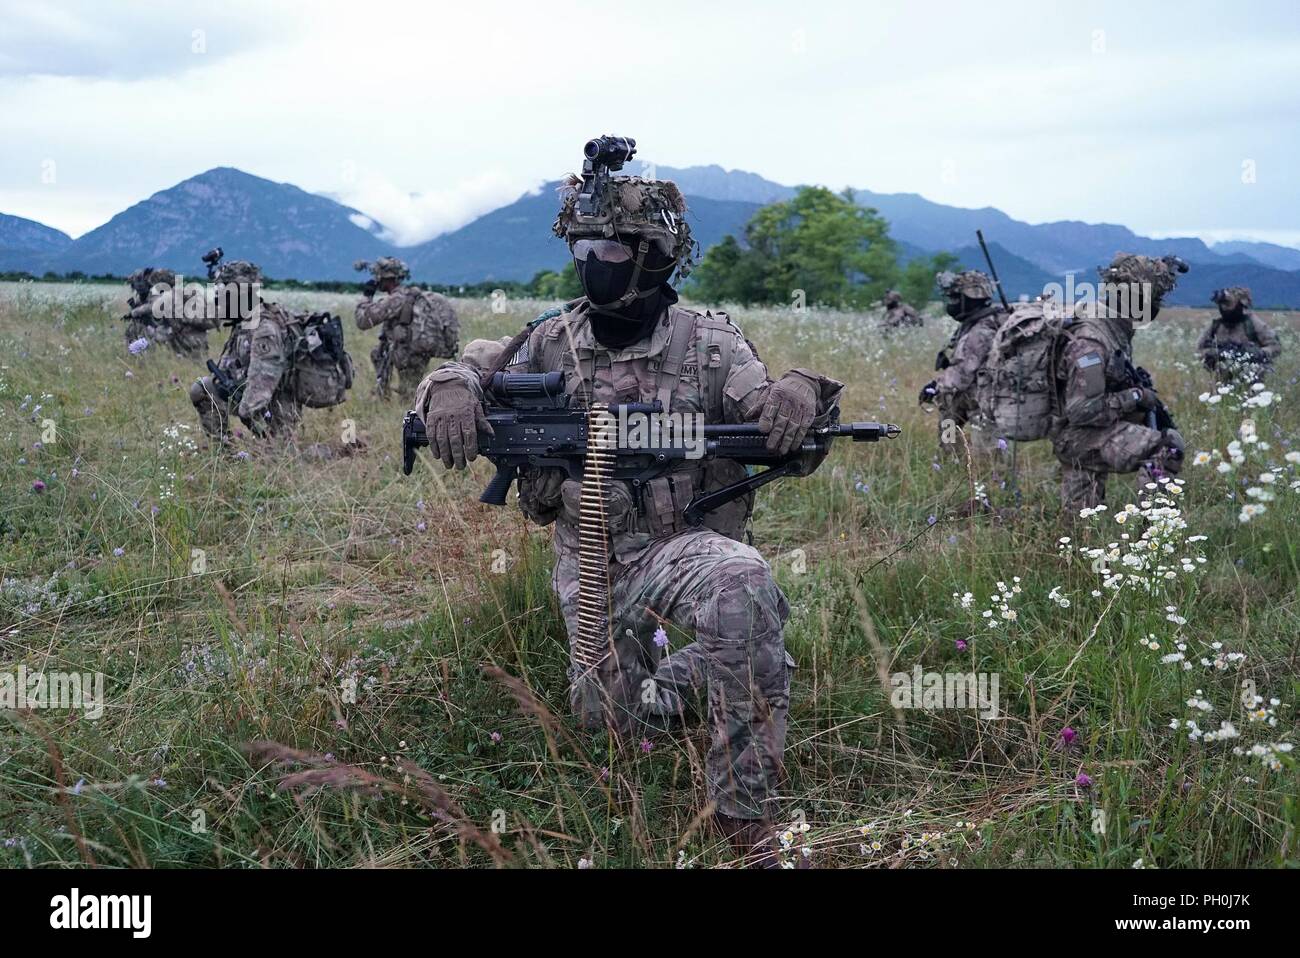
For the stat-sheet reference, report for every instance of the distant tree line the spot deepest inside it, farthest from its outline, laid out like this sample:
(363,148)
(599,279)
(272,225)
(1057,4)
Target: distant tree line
(823,243)
(547,284)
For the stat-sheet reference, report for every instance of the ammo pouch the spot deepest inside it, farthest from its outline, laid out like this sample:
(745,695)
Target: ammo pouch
(664,499)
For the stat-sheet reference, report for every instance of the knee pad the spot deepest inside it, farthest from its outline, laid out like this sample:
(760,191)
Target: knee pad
(200,391)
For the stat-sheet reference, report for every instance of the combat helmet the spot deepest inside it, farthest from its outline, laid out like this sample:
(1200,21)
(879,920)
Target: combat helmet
(970,283)
(1231,297)
(596,205)
(160,275)
(389,267)
(1161,272)
(239,271)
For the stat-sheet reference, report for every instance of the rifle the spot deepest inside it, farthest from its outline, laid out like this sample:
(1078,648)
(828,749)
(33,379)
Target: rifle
(993,273)
(225,386)
(535,428)
(1160,417)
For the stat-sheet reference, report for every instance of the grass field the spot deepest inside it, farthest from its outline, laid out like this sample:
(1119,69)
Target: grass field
(311,660)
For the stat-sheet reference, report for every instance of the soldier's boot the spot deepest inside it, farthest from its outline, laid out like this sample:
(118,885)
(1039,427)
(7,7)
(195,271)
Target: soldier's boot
(1081,488)
(753,840)
(212,413)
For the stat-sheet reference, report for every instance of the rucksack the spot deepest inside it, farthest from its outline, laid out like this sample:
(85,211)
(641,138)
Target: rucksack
(435,329)
(1016,388)
(322,368)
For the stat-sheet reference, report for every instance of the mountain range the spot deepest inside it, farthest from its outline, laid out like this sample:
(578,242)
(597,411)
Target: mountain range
(295,234)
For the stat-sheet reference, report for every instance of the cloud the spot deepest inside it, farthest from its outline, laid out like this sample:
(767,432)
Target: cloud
(91,39)
(411,218)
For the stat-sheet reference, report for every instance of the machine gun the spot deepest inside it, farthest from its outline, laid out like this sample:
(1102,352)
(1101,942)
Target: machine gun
(536,428)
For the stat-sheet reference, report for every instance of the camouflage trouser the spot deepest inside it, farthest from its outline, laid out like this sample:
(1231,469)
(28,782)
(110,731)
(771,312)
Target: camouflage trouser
(1088,456)
(410,372)
(190,342)
(722,592)
(214,415)
(963,429)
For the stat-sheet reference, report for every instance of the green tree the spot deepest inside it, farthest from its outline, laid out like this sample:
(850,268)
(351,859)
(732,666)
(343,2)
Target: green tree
(729,273)
(823,243)
(916,284)
(563,285)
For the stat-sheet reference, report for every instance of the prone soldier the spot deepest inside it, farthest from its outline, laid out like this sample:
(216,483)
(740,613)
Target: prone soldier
(898,313)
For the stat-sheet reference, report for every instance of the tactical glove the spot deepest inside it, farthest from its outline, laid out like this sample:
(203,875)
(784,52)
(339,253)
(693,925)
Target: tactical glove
(452,420)
(788,410)
(928,392)
(1211,360)
(368,288)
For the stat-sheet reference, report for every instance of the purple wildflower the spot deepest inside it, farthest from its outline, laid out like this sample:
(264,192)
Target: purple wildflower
(38,486)
(1083,780)
(136,347)
(661,637)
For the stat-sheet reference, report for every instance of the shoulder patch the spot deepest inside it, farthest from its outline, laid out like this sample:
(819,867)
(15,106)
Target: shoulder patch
(1088,360)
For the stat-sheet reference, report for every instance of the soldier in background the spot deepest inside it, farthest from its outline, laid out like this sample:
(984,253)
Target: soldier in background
(968,299)
(628,340)
(140,320)
(1109,420)
(153,315)
(1238,342)
(417,325)
(253,374)
(898,313)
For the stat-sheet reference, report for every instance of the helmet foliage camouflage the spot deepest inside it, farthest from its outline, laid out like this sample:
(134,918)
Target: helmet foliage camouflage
(1232,297)
(1159,272)
(389,267)
(970,283)
(892,297)
(239,271)
(630,206)
(160,275)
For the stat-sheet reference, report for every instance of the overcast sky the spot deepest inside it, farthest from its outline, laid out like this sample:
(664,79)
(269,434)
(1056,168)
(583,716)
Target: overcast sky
(1170,118)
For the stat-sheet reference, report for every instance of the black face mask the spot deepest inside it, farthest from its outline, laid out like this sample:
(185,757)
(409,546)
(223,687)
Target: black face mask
(605,283)
(1234,315)
(959,307)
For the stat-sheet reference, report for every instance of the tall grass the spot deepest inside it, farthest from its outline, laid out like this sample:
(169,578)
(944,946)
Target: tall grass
(311,660)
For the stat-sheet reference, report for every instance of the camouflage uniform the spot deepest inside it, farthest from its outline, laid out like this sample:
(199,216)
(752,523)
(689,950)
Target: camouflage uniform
(258,355)
(1238,341)
(186,337)
(1103,426)
(960,361)
(706,581)
(395,312)
(898,313)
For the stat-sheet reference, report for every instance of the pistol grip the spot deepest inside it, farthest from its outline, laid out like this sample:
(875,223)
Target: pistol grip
(495,493)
